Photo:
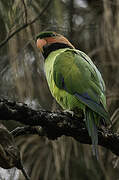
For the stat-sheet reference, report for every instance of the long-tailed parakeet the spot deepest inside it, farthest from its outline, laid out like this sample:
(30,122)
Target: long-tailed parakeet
(74,81)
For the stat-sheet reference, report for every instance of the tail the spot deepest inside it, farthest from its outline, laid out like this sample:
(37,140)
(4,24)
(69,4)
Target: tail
(92,122)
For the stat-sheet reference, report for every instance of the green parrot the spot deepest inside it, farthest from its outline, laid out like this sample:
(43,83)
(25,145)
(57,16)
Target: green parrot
(74,81)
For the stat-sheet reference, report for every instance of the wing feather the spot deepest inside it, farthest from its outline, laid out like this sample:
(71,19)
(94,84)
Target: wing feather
(74,72)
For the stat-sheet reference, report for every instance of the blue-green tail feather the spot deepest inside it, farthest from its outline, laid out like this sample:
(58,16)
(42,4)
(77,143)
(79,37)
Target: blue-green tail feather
(91,124)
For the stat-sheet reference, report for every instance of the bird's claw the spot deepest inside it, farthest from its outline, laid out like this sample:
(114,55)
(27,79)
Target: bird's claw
(70,112)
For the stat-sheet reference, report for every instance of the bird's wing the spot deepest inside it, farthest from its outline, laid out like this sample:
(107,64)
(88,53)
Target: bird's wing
(74,72)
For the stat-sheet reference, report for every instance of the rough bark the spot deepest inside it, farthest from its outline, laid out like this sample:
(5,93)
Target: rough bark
(54,125)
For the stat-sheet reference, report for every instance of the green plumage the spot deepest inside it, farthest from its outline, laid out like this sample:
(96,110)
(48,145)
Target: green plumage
(77,85)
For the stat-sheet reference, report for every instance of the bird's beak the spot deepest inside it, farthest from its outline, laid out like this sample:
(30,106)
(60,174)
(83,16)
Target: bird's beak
(40,43)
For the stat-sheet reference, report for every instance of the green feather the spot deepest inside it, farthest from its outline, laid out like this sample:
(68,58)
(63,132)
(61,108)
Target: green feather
(45,34)
(91,125)
(76,84)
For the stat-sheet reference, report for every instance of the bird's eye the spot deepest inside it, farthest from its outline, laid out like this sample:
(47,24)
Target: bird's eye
(53,35)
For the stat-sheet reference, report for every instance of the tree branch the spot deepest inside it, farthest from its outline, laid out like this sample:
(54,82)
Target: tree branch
(25,25)
(55,124)
(25,10)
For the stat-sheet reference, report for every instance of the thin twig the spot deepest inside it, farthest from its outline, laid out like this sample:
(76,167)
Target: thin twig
(26,130)
(25,11)
(24,25)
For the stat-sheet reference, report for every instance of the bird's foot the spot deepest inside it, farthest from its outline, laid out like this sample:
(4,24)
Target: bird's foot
(68,111)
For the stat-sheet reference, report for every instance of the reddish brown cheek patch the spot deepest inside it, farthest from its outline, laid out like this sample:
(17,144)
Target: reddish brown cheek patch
(51,40)
(59,39)
(40,43)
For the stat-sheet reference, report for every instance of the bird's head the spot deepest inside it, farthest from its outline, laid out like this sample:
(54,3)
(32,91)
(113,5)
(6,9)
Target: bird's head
(49,41)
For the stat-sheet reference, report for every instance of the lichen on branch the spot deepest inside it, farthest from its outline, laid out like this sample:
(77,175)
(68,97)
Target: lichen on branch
(54,124)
